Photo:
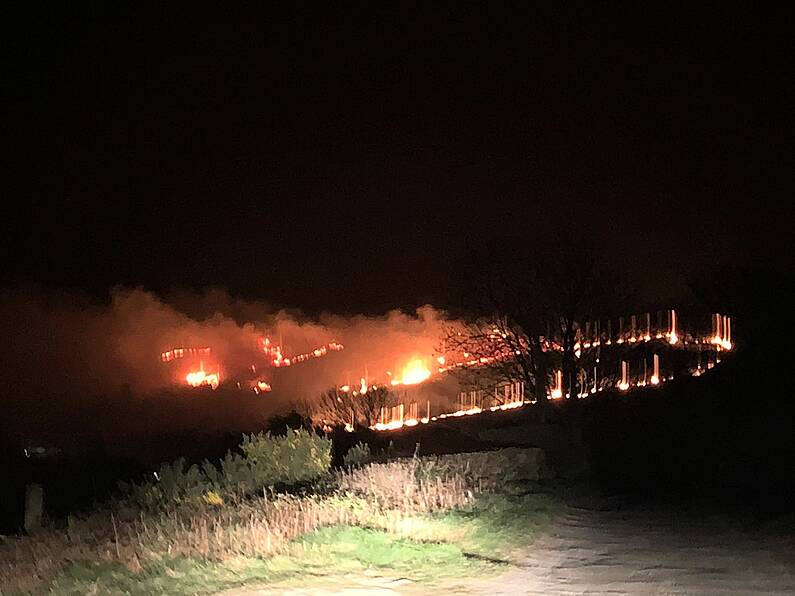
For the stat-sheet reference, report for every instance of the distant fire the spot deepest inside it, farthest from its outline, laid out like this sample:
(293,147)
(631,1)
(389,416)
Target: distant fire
(590,339)
(199,378)
(722,331)
(262,387)
(557,390)
(177,353)
(278,360)
(273,352)
(413,373)
(673,337)
(624,384)
(597,367)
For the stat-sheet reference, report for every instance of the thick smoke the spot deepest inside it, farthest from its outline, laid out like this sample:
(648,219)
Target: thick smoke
(62,350)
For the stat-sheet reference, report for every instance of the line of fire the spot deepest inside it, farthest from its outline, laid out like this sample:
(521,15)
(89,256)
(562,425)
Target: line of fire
(200,369)
(468,375)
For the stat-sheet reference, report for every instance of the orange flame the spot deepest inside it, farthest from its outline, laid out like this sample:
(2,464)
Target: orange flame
(415,372)
(557,391)
(262,387)
(198,378)
(176,353)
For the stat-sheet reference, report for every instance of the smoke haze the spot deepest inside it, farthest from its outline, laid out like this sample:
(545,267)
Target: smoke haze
(64,352)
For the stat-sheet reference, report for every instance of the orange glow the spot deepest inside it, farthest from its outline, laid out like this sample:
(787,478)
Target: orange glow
(414,372)
(673,338)
(633,373)
(721,327)
(176,353)
(392,425)
(262,387)
(557,392)
(274,352)
(655,377)
(508,406)
(198,378)
(457,413)
(624,384)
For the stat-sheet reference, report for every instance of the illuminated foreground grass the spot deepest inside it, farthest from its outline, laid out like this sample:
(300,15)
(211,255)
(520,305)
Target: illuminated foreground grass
(480,540)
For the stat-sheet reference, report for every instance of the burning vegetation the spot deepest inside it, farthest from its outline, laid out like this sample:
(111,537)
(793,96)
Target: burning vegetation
(379,372)
(492,363)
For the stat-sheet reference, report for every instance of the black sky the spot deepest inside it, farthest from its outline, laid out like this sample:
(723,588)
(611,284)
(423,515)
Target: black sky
(347,160)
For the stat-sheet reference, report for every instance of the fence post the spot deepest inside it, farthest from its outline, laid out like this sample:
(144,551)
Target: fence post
(34,507)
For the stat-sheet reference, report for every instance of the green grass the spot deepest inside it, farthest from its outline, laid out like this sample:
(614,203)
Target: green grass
(330,552)
(479,540)
(501,524)
(170,576)
(494,528)
(343,550)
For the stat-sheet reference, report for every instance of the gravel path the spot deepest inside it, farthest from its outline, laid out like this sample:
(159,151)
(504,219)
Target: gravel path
(623,551)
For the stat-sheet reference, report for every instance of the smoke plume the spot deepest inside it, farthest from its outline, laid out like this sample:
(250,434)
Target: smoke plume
(63,351)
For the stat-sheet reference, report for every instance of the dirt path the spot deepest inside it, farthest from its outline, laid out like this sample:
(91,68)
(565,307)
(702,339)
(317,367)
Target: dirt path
(623,551)
(642,551)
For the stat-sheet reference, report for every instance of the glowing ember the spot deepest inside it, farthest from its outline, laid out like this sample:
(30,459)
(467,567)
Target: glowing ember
(508,406)
(557,391)
(624,384)
(262,387)
(655,377)
(274,352)
(673,338)
(722,331)
(176,353)
(393,425)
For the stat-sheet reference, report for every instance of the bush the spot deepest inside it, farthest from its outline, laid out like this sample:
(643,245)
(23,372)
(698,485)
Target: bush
(358,455)
(298,457)
(172,484)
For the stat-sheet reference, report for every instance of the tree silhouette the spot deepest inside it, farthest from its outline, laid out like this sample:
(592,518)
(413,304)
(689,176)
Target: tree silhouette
(524,310)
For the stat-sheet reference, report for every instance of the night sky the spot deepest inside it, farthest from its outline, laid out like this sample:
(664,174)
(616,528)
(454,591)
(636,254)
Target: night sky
(350,160)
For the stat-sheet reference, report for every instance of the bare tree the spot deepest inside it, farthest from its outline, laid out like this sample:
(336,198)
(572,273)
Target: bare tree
(528,309)
(505,335)
(338,408)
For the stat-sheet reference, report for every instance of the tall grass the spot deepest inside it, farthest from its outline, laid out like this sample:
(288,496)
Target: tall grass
(375,496)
